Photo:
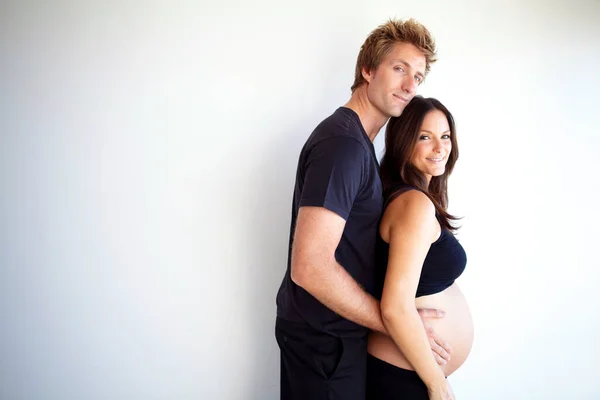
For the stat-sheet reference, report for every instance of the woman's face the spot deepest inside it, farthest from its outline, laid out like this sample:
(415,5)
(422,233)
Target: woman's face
(433,146)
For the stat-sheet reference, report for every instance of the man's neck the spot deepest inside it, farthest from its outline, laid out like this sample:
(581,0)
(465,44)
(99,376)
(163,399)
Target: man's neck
(370,117)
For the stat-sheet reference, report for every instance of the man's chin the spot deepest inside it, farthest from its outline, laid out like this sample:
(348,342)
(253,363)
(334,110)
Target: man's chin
(396,112)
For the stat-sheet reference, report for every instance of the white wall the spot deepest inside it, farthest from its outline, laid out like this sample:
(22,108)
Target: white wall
(147,157)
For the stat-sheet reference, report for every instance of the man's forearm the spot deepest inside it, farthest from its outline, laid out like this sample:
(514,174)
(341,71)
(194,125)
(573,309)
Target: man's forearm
(333,286)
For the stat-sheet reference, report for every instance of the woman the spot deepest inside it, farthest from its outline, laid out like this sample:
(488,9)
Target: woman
(419,259)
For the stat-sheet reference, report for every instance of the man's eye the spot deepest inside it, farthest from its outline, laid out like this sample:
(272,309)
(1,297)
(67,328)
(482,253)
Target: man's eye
(399,69)
(418,79)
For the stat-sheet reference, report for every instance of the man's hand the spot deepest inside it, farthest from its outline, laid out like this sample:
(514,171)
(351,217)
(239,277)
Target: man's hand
(440,348)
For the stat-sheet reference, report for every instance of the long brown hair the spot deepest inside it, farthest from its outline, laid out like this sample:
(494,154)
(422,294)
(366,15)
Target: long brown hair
(401,136)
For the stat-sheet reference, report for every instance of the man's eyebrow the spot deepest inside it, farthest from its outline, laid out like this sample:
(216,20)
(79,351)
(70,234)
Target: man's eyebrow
(399,60)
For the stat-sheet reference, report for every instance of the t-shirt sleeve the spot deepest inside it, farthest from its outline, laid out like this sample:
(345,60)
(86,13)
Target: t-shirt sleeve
(333,175)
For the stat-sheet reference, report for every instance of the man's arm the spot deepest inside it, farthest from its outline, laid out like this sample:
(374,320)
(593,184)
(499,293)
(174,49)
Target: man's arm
(315,269)
(318,232)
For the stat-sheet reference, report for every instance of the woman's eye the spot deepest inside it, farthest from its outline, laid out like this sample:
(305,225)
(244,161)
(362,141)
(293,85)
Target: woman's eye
(424,137)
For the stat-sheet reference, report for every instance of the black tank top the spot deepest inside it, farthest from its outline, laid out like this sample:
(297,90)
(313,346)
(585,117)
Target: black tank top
(445,260)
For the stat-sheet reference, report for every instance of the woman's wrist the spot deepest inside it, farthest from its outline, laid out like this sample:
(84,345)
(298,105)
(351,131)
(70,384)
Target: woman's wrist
(437,382)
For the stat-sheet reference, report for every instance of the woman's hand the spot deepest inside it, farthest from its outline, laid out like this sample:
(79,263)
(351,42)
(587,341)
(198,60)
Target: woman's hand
(441,391)
(440,348)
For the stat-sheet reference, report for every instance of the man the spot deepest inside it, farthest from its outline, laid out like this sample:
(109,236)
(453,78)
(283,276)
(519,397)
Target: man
(324,309)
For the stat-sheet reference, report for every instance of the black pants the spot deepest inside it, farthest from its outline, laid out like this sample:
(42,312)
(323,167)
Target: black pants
(319,366)
(388,382)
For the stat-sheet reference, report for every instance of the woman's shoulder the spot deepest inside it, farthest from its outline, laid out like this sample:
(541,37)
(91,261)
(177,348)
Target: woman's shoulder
(411,200)
(412,207)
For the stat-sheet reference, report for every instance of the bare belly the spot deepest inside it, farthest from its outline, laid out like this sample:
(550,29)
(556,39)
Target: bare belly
(456,328)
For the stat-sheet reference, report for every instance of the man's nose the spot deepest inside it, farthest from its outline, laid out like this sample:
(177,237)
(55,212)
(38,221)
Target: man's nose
(409,85)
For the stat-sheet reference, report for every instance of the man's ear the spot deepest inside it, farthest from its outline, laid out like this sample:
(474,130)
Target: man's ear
(368,75)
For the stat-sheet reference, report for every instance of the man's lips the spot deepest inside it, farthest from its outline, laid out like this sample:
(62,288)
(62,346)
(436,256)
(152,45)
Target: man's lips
(404,99)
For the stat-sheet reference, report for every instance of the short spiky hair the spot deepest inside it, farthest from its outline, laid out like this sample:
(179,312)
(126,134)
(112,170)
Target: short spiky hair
(382,39)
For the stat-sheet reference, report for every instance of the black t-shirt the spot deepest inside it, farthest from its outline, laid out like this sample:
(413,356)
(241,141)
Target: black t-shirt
(337,170)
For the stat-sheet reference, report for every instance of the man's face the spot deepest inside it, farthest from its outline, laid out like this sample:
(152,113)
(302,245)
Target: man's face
(394,83)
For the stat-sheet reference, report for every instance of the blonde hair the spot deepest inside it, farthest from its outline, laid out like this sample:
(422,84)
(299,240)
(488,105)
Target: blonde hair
(380,42)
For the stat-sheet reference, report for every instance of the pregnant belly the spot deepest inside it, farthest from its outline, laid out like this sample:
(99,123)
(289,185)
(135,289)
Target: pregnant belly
(456,328)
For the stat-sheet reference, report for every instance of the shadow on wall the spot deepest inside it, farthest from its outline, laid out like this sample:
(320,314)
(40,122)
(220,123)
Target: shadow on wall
(266,223)
(266,226)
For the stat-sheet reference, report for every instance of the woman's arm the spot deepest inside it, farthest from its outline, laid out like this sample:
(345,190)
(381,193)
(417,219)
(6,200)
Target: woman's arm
(410,226)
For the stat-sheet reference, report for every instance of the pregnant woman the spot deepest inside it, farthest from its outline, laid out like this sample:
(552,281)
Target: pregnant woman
(419,259)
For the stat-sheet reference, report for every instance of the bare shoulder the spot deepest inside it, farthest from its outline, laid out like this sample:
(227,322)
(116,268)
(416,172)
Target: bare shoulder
(410,210)
(412,202)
